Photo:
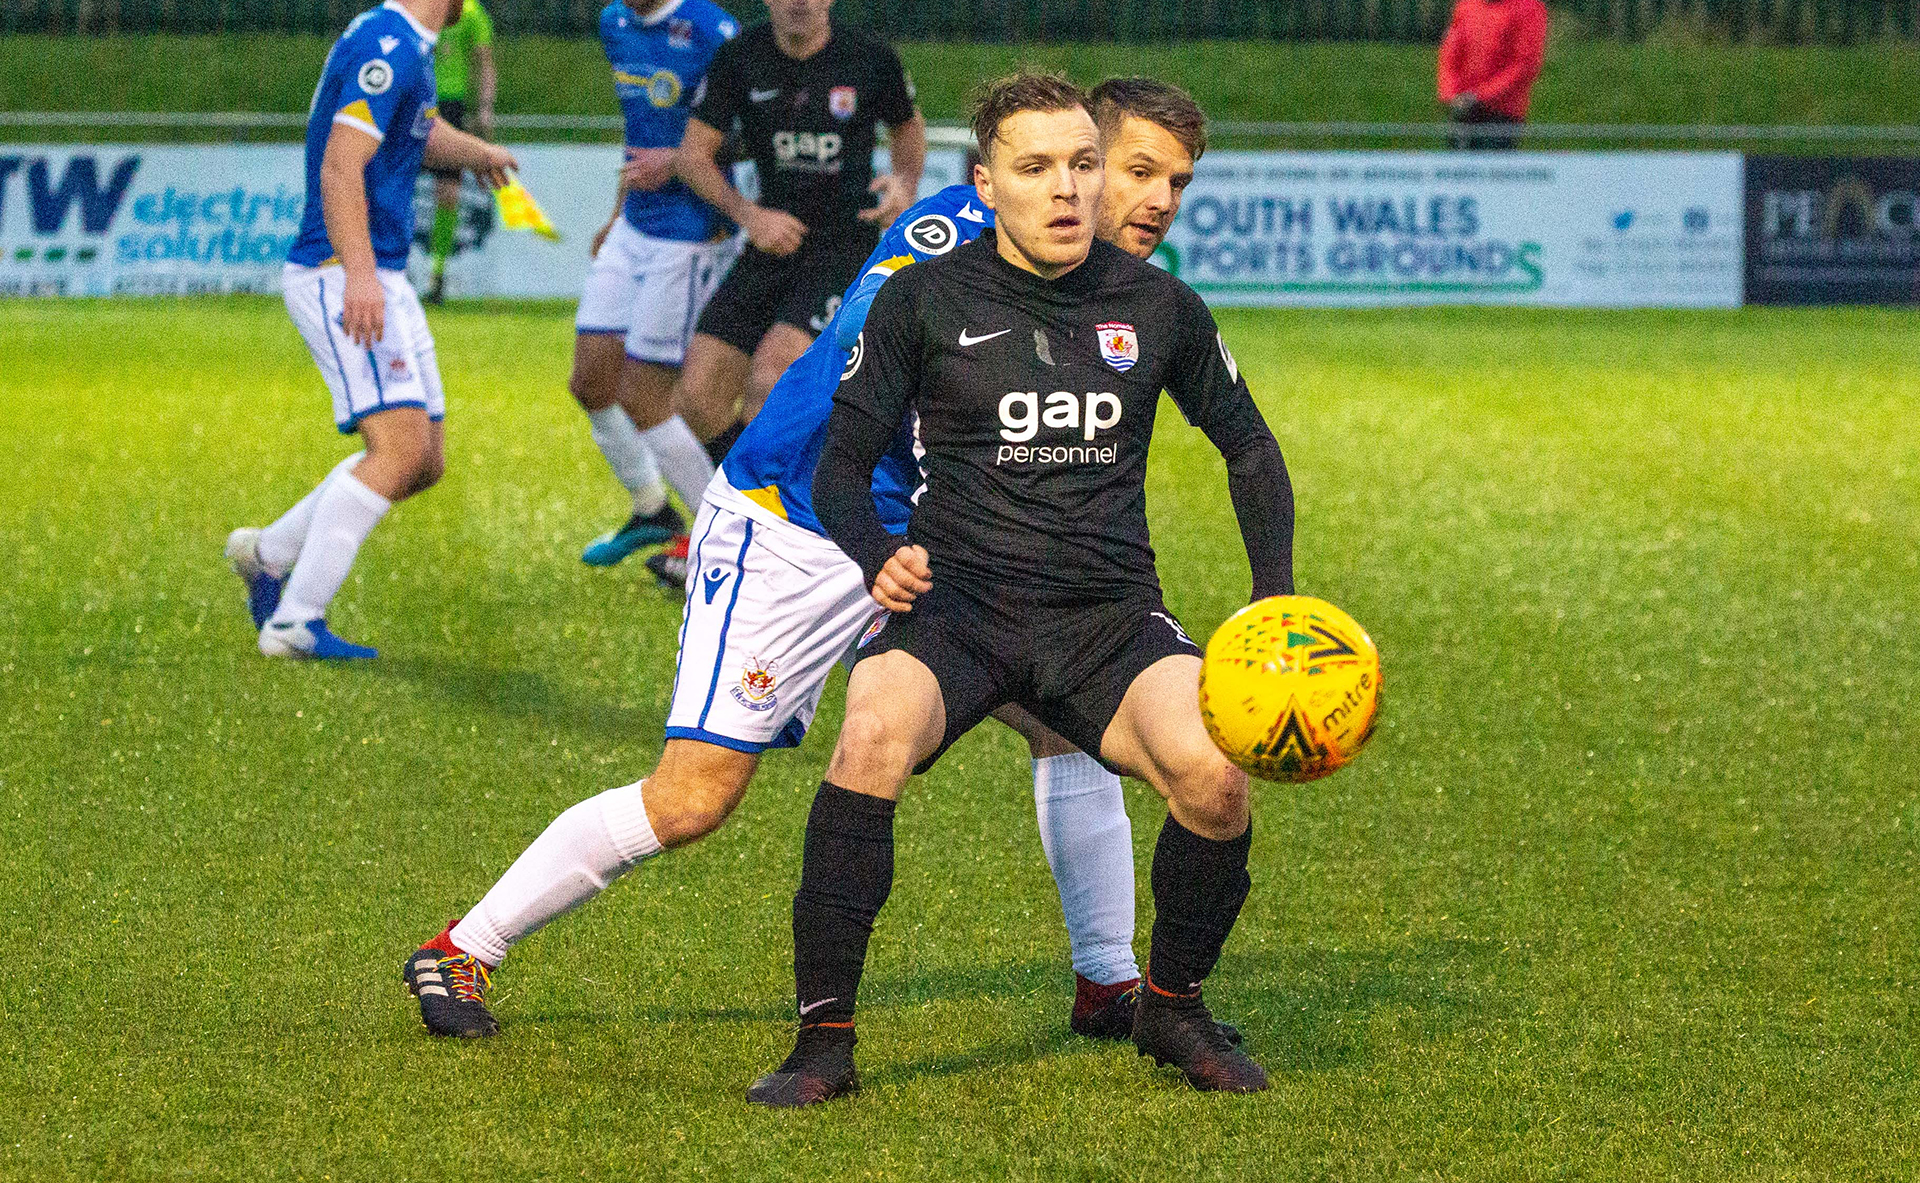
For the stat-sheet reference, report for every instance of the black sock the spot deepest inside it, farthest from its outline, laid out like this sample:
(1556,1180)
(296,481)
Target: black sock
(1198,887)
(721,444)
(845,876)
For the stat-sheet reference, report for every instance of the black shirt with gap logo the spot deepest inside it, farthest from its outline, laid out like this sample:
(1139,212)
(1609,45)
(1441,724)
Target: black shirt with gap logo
(809,126)
(1036,402)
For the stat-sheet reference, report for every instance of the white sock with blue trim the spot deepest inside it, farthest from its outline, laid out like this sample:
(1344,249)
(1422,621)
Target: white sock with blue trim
(346,513)
(280,543)
(573,860)
(1089,844)
(686,463)
(629,457)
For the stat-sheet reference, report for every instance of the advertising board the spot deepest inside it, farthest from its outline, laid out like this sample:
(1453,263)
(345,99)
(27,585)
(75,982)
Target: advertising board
(1833,230)
(1257,228)
(1612,229)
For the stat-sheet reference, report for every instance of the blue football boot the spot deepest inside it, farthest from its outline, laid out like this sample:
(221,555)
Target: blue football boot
(263,586)
(311,640)
(639,532)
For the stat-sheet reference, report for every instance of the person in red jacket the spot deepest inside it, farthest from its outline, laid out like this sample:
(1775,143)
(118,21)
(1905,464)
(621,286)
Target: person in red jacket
(1488,61)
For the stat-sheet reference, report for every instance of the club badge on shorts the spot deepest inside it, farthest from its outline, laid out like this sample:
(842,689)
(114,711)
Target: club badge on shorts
(758,682)
(1119,347)
(840,102)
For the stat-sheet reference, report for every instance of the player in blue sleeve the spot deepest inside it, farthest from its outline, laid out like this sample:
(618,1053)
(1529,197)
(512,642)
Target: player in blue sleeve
(772,605)
(655,264)
(369,128)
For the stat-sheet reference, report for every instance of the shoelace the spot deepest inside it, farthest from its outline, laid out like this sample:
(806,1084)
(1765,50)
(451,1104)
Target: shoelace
(467,975)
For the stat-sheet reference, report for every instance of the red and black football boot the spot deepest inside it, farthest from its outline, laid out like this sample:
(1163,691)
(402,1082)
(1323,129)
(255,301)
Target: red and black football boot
(669,565)
(1178,1030)
(452,987)
(820,1069)
(1106,1012)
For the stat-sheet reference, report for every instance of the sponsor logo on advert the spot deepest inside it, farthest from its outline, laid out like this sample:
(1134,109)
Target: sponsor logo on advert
(758,682)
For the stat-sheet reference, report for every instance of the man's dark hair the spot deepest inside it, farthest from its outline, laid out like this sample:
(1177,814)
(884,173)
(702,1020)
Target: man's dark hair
(1027,90)
(1152,100)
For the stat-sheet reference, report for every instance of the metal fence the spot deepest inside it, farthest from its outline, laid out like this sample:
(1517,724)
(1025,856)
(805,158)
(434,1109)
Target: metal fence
(1740,21)
(268,126)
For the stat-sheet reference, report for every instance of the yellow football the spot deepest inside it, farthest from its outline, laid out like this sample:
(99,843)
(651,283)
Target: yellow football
(1290,688)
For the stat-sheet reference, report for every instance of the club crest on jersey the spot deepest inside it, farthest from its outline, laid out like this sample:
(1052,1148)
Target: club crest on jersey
(758,681)
(1119,347)
(841,101)
(376,77)
(680,33)
(873,629)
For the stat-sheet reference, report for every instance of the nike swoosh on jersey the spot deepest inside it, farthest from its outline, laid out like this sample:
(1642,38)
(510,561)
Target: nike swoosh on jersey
(966,340)
(761,96)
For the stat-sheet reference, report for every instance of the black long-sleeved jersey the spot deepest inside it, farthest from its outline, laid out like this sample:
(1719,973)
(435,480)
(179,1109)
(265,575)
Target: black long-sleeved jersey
(1036,401)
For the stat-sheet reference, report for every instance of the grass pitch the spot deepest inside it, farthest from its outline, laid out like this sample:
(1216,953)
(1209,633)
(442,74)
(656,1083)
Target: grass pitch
(1623,887)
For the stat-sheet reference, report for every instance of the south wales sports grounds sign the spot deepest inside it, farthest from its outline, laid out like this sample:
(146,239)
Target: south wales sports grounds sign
(1601,229)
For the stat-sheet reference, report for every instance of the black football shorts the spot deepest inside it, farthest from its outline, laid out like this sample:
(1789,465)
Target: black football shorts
(802,289)
(1068,665)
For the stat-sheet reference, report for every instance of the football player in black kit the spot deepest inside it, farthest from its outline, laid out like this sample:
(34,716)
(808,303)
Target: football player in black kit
(1033,358)
(808,97)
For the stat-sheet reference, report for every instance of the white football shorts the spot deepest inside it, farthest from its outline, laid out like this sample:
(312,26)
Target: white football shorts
(400,370)
(770,608)
(652,290)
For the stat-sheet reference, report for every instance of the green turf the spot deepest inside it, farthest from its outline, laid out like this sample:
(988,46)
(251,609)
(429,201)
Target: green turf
(1623,888)
(1584,81)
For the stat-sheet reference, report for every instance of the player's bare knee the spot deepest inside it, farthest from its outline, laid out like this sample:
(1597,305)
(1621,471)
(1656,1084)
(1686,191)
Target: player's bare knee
(431,467)
(1215,794)
(591,395)
(686,807)
(873,751)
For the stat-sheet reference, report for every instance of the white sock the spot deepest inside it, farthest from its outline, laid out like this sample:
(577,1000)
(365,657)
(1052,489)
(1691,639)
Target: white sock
(1089,844)
(573,860)
(346,513)
(686,463)
(629,457)
(280,543)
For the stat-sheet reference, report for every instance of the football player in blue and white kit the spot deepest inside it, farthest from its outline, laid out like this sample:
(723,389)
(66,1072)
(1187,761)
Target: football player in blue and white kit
(369,128)
(655,264)
(772,605)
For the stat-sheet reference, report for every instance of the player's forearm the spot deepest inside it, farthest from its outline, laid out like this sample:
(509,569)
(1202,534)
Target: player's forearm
(1262,495)
(485,82)
(449,147)
(702,174)
(843,490)
(907,151)
(343,207)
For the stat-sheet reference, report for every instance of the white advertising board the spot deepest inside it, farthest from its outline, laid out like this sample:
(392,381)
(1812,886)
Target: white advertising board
(1257,228)
(1598,229)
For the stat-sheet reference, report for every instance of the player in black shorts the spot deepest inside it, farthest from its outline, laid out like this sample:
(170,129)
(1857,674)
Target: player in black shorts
(808,97)
(1033,358)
